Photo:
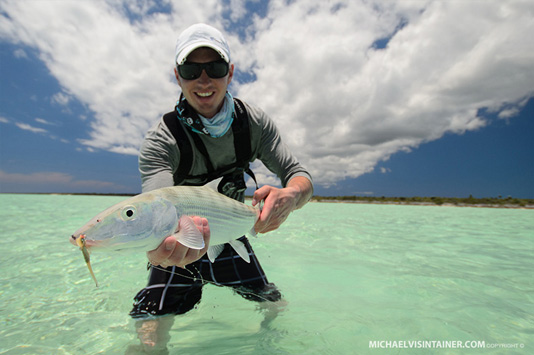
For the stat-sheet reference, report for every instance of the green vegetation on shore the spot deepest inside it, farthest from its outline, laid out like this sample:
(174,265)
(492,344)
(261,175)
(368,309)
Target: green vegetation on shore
(455,201)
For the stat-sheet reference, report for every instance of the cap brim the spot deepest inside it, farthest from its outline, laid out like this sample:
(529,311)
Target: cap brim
(180,59)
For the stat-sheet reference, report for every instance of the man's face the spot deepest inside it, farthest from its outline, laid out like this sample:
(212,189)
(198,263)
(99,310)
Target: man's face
(205,94)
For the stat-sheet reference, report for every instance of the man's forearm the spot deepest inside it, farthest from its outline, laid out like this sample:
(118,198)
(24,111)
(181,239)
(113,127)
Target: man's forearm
(304,189)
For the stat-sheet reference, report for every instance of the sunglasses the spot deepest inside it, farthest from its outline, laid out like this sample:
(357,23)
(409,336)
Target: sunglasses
(215,70)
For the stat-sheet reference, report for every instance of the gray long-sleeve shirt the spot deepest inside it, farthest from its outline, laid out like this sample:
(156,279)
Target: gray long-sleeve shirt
(159,156)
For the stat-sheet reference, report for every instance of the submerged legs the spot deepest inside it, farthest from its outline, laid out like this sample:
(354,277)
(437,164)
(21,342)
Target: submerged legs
(154,334)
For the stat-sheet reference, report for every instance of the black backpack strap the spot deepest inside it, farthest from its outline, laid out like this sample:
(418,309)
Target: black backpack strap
(186,152)
(242,142)
(240,129)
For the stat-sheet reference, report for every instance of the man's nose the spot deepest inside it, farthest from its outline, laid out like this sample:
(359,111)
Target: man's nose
(204,77)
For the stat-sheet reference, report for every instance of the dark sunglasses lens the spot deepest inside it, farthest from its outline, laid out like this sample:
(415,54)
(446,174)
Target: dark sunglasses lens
(189,71)
(217,69)
(192,71)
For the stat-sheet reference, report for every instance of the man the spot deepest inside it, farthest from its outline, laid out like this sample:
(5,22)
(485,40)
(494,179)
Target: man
(196,143)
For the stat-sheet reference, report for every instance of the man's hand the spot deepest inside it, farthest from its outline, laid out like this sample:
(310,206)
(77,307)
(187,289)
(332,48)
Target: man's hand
(171,253)
(279,203)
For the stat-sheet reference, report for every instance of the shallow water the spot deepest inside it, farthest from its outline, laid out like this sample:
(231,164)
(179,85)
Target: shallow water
(351,274)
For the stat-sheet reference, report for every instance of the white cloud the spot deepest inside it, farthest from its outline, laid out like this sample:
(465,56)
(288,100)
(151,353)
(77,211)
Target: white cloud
(61,99)
(238,10)
(45,122)
(30,128)
(341,104)
(20,53)
(344,106)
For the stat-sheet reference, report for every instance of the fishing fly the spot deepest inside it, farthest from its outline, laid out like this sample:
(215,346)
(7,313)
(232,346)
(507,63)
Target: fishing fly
(81,243)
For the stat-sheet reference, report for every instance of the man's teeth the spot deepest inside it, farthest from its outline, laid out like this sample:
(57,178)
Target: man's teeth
(204,94)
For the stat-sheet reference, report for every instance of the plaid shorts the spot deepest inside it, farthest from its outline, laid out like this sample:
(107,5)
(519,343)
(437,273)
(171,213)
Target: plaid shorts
(176,291)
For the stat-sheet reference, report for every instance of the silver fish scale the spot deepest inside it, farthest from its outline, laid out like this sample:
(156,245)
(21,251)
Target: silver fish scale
(228,219)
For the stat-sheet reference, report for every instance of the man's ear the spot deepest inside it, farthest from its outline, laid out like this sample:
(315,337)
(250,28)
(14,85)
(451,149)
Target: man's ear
(230,73)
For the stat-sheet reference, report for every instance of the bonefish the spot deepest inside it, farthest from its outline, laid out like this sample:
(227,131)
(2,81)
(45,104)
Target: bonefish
(142,222)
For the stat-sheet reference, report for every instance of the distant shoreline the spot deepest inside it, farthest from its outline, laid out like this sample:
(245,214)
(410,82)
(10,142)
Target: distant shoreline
(528,207)
(509,202)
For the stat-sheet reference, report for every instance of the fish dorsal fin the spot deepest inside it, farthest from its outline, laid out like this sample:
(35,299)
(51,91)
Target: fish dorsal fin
(214,184)
(188,234)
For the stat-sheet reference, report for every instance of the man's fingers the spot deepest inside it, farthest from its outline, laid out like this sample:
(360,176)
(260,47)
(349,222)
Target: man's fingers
(260,194)
(170,244)
(162,252)
(171,252)
(178,255)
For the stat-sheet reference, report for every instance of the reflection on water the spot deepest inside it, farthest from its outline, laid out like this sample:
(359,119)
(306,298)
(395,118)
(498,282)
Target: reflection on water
(350,274)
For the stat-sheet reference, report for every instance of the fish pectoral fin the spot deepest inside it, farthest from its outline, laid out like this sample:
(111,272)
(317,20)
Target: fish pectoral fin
(214,251)
(188,234)
(240,249)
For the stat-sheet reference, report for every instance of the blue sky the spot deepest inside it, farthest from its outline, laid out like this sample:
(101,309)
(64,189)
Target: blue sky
(410,98)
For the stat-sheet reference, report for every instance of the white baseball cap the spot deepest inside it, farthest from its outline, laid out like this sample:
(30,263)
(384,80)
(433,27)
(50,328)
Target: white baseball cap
(201,35)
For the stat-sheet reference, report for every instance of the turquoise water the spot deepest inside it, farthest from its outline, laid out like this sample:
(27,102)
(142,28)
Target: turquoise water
(351,274)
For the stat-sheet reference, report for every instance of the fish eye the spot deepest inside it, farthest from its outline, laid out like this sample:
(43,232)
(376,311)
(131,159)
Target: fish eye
(128,213)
